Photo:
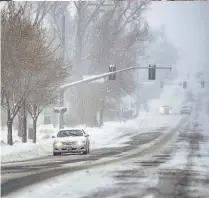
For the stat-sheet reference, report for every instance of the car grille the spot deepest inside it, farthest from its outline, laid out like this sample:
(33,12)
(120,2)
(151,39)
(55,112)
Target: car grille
(70,143)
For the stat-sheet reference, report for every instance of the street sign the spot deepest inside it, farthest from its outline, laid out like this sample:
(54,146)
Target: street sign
(56,110)
(60,109)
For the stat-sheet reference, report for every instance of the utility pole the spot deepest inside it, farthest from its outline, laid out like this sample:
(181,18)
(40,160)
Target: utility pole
(61,113)
(24,135)
(138,98)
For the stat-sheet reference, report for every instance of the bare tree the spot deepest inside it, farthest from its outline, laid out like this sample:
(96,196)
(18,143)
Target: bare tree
(17,56)
(36,12)
(119,36)
(28,61)
(77,26)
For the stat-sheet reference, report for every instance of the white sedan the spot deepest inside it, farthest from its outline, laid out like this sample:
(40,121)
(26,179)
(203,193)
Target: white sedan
(71,141)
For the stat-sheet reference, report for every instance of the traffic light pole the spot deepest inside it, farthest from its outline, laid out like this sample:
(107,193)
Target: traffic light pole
(90,79)
(61,113)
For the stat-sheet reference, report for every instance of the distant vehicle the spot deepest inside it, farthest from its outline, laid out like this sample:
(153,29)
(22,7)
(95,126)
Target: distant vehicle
(185,110)
(71,141)
(165,109)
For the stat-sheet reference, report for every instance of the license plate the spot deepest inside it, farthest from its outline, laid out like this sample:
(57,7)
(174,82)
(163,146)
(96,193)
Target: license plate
(69,148)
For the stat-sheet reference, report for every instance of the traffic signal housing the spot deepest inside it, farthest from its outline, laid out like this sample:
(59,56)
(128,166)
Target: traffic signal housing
(152,72)
(112,68)
(161,85)
(184,84)
(202,84)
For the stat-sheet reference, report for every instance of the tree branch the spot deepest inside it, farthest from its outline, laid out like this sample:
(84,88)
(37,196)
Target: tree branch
(129,17)
(94,14)
(76,6)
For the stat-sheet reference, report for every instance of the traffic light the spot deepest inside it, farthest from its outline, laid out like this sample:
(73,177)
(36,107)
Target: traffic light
(152,72)
(184,84)
(202,84)
(161,85)
(112,68)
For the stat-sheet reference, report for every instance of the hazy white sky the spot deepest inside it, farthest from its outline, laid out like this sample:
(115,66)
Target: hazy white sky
(185,28)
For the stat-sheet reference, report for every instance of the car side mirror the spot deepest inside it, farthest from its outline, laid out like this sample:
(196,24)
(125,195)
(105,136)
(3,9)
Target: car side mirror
(86,135)
(53,136)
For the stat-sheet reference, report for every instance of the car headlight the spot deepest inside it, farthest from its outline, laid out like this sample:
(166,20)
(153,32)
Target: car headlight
(58,143)
(81,142)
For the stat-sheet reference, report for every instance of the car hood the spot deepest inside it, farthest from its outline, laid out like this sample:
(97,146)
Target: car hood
(67,139)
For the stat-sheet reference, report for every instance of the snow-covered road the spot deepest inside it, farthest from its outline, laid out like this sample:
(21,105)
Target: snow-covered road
(17,175)
(178,169)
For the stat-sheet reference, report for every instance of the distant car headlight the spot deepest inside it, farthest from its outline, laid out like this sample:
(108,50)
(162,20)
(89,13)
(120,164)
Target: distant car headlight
(81,142)
(58,144)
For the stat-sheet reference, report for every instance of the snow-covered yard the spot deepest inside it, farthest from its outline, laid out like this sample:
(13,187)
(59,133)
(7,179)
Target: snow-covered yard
(112,134)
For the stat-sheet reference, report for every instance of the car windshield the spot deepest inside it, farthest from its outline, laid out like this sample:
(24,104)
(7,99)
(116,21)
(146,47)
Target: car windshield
(68,133)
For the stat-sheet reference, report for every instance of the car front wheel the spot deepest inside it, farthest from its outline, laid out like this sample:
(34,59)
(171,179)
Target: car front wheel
(86,151)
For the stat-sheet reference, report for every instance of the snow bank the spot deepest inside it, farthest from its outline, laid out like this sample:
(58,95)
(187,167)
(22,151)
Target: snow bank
(24,151)
(20,151)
